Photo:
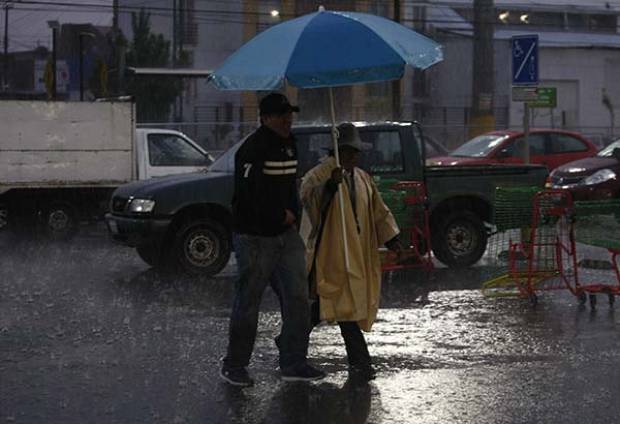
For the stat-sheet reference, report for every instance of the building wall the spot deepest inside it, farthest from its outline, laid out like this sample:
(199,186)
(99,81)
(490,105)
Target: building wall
(580,76)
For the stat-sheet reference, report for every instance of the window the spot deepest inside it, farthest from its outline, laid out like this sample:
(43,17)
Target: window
(564,143)
(172,150)
(187,25)
(379,8)
(419,18)
(385,156)
(311,148)
(536,143)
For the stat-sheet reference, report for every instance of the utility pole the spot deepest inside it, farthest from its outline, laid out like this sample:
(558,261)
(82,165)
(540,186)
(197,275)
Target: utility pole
(81,35)
(396,83)
(119,51)
(115,14)
(5,62)
(54,25)
(181,32)
(174,33)
(482,118)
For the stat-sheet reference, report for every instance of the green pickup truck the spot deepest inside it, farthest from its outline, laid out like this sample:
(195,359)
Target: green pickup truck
(183,222)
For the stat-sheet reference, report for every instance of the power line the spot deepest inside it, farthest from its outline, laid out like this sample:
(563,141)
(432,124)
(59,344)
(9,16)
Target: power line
(206,15)
(222,20)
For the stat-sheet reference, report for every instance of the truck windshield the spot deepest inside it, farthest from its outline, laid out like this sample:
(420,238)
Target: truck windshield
(480,146)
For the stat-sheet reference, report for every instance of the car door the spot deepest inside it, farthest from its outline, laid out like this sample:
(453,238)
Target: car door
(511,151)
(566,148)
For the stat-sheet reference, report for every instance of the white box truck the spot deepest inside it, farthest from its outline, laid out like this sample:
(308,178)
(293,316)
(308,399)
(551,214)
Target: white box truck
(60,161)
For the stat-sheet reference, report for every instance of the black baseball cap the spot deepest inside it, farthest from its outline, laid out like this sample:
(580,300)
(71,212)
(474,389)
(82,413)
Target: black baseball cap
(276,104)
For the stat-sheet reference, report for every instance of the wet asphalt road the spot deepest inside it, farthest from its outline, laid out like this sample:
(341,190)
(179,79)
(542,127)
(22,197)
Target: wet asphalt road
(88,334)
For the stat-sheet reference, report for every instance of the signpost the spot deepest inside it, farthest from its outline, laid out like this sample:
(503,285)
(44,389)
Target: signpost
(524,94)
(525,73)
(541,97)
(545,97)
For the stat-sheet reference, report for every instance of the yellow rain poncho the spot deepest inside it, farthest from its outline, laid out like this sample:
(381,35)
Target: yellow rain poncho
(352,295)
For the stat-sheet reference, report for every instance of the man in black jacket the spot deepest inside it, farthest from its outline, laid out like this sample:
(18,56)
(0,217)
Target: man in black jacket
(266,211)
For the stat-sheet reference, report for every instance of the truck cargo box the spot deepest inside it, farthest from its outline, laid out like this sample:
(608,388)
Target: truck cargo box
(56,143)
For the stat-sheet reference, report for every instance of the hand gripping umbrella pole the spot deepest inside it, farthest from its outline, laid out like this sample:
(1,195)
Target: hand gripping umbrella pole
(340,195)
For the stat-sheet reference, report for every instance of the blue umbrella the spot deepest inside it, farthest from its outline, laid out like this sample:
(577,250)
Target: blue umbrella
(327,49)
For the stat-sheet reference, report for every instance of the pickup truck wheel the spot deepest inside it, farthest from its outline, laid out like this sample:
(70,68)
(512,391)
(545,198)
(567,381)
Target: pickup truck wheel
(60,221)
(4,218)
(460,240)
(202,247)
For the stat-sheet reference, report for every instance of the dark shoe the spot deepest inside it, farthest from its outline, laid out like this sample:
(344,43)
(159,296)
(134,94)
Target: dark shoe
(303,372)
(363,373)
(236,376)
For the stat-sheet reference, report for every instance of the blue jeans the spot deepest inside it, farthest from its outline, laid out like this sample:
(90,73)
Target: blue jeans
(277,260)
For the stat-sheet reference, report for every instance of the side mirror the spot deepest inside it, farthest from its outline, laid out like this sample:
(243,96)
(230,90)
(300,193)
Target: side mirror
(616,153)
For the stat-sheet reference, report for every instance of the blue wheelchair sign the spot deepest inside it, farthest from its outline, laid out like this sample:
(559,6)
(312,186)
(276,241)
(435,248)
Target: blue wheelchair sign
(525,60)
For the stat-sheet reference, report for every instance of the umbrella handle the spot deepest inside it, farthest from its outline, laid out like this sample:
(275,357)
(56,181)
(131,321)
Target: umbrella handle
(340,195)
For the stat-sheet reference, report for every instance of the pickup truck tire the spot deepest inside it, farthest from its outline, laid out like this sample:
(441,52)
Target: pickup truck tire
(460,239)
(60,221)
(4,218)
(202,247)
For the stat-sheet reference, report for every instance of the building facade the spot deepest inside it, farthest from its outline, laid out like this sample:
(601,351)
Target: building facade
(579,55)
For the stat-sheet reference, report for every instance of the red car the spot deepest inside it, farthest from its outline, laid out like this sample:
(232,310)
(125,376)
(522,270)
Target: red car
(548,147)
(594,178)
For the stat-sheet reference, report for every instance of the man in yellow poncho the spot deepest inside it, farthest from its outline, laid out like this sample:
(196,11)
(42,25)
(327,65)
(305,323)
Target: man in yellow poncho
(348,295)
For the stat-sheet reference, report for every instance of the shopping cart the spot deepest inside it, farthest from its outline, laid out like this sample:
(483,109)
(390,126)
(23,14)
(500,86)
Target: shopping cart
(560,232)
(409,204)
(596,224)
(512,218)
(545,258)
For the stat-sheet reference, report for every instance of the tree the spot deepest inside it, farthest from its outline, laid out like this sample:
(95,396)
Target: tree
(153,95)
(100,81)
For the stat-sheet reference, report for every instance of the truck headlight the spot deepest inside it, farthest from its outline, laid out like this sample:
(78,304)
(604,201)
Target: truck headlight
(141,205)
(599,177)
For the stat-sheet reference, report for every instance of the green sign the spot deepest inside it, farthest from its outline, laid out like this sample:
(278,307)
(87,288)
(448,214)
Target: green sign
(545,97)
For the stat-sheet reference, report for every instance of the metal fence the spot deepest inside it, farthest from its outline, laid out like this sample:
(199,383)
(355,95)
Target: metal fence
(217,136)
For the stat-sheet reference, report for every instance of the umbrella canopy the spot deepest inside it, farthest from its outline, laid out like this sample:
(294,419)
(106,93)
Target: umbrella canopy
(326,49)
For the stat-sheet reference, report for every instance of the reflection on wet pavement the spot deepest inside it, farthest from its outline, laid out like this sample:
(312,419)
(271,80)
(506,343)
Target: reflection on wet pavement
(89,334)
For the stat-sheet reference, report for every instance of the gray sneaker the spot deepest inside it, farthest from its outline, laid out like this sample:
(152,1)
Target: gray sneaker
(236,376)
(303,372)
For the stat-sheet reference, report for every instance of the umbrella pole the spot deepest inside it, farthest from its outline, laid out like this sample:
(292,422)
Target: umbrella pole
(340,195)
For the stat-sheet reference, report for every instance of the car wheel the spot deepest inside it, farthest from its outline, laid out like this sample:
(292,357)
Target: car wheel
(202,247)
(60,221)
(460,239)
(4,218)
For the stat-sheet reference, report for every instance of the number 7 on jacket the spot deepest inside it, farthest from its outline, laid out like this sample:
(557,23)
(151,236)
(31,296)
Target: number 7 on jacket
(247,167)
